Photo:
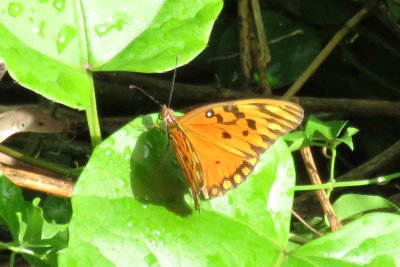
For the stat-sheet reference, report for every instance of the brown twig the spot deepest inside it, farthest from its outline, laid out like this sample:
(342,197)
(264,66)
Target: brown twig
(321,194)
(307,225)
(244,38)
(336,39)
(382,12)
(254,53)
(160,89)
(370,168)
(38,181)
(259,47)
(351,106)
(389,157)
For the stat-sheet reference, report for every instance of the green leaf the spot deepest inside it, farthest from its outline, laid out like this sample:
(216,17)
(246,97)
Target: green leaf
(347,137)
(57,209)
(296,140)
(38,241)
(52,47)
(131,197)
(325,130)
(181,28)
(394,8)
(34,223)
(327,133)
(350,205)
(11,203)
(371,240)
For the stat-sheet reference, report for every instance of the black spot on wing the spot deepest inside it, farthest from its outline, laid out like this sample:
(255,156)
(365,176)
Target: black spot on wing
(239,115)
(267,139)
(258,149)
(226,135)
(251,124)
(219,117)
(231,108)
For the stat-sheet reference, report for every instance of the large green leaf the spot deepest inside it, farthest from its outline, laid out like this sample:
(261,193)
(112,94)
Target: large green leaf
(371,240)
(52,47)
(129,206)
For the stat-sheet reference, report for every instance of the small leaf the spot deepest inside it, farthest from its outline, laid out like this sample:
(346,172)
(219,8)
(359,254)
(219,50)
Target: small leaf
(11,204)
(297,140)
(325,130)
(350,205)
(57,210)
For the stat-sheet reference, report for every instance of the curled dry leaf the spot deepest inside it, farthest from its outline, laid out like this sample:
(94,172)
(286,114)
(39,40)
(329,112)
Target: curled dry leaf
(28,118)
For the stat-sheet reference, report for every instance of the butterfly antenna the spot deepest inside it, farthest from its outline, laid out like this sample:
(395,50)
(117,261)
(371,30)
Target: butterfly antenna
(145,93)
(173,82)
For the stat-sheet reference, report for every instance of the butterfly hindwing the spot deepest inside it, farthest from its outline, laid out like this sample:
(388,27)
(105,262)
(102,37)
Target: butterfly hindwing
(189,162)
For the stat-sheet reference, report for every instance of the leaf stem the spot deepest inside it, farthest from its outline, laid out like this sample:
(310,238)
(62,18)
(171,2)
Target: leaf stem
(36,162)
(379,180)
(332,170)
(93,118)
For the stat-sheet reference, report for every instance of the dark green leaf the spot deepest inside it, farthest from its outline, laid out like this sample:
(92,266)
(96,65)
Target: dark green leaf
(11,204)
(57,209)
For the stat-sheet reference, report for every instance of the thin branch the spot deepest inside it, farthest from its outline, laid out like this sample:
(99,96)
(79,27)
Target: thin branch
(321,194)
(37,181)
(307,225)
(371,167)
(244,38)
(336,39)
(159,88)
(259,47)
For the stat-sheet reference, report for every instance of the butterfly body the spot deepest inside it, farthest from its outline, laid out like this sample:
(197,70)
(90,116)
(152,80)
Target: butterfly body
(218,145)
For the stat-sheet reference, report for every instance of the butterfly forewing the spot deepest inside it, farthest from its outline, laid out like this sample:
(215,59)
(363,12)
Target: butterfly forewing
(226,139)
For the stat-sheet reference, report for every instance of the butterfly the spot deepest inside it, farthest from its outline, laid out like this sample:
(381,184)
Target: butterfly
(218,145)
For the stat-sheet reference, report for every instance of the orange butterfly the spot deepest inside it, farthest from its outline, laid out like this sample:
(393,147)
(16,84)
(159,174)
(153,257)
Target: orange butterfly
(218,145)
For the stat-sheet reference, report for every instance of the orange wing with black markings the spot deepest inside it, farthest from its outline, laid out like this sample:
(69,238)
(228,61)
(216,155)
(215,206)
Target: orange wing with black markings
(218,145)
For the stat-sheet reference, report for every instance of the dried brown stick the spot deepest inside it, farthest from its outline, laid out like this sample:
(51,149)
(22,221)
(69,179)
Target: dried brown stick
(37,181)
(244,38)
(382,12)
(308,226)
(259,47)
(389,157)
(351,106)
(321,194)
(160,88)
(380,162)
(326,51)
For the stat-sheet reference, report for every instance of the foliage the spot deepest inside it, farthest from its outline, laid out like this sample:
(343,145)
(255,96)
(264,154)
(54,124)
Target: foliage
(38,240)
(130,204)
